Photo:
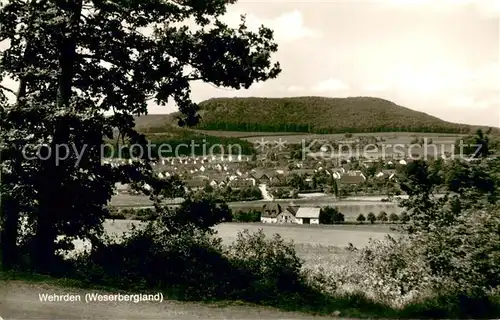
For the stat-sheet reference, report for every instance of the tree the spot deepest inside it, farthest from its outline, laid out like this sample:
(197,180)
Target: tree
(371,217)
(393,217)
(335,187)
(75,60)
(340,217)
(330,215)
(202,213)
(297,182)
(403,217)
(361,218)
(477,146)
(382,216)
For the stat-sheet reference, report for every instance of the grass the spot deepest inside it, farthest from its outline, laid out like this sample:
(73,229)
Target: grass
(350,305)
(304,235)
(252,135)
(389,138)
(350,209)
(316,250)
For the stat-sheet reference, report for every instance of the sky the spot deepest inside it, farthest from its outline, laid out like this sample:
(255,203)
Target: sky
(441,57)
(437,56)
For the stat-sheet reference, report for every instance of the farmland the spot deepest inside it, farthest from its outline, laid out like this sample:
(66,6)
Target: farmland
(301,235)
(400,137)
(350,208)
(315,244)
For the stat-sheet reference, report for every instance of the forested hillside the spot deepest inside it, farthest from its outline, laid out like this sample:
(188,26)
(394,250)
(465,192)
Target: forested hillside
(318,115)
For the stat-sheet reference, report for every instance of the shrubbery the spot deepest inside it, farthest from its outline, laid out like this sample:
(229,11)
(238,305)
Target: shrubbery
(178,251)
(247,216)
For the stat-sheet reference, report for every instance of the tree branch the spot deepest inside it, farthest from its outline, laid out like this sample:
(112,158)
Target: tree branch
(7,89)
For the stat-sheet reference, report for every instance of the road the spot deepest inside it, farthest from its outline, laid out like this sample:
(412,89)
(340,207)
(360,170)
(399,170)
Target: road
(20,301)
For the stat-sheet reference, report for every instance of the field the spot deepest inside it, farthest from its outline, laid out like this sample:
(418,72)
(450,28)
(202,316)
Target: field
(309,236)
(351,207)
(291,137)
(389,137)
(318,245)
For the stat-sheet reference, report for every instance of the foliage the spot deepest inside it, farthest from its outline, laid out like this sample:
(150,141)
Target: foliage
(403,217)
(75,61)
(397,272)
(247,216)
(201,213)
(330,215)
(361,218)
(382,216)
(284,193)
(318,115)
(476,146)
(229,194)
(170,253)
(191,144)
(273,261)
(393,217)
(371,217)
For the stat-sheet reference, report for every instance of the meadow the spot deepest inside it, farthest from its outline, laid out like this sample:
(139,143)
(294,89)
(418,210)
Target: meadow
(317,245)
(350,207)
(292,137)
(389,137)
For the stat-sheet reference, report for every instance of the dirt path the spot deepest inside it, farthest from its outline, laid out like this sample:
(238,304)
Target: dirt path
(21,301)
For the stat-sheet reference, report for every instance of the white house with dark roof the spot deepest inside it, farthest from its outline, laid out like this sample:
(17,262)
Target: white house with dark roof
(307,215)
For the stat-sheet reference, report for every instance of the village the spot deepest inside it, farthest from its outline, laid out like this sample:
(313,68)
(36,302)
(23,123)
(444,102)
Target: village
(272,177)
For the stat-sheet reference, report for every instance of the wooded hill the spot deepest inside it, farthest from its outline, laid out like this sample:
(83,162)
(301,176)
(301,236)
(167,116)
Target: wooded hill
(319,115)
(187,142)
(310,114)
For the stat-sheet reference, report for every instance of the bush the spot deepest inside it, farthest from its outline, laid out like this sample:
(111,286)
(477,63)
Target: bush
(271,265)
(361,218)
(152,258)
(395,271)
(467,252)
(180,252)
(393,217)
(116,214)
(330,215)
(371,217)
(247,216)
(403,217)
(382,216)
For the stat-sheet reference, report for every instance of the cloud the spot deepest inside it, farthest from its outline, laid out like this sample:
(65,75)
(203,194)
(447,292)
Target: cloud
(295,88)
(377,87)
(330,84)
(486,8)
(462,101)
(287,27)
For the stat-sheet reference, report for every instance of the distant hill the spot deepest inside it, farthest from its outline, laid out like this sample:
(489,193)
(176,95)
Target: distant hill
(309,114)
(169,140)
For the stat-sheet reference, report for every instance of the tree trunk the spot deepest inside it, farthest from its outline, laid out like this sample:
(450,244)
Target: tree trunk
(52,202)
(9,208)
(9,233)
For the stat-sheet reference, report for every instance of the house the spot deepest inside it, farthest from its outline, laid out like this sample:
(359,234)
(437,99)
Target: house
(261,177)
(286,216)
(307,215)
(267,176)
(196,183)
(303,172)
(239,183)
(352,177)
(122,188)
(270,213)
